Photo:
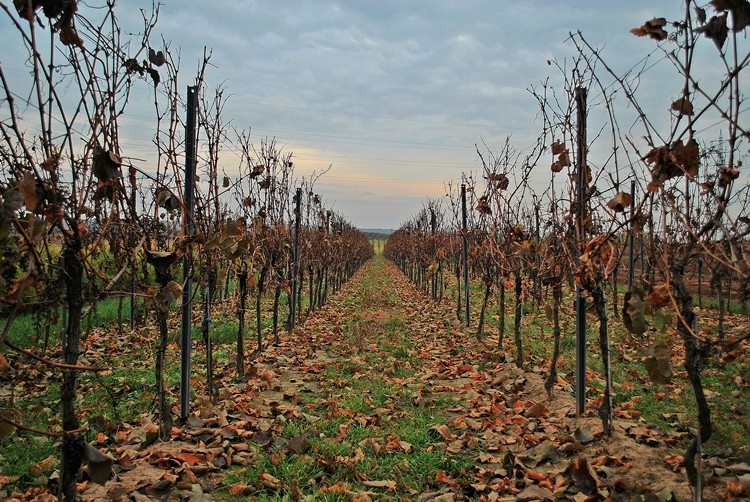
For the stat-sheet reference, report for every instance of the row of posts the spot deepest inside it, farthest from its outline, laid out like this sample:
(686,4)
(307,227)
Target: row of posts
(581,199)
(188,229)
(190,164)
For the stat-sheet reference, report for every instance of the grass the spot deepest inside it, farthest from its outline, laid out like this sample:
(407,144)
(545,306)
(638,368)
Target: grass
(350,460)
(128,390)
(372,344)
(629,376)
(119,395)
(20,459)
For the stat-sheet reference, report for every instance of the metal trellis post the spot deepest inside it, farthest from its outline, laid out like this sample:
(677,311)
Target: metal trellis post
(465,254)
(187,225)
(581,181)
(295,268)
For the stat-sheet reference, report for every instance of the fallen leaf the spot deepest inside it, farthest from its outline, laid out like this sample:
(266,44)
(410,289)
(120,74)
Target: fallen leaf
(534,493)
(269,481)
(98,465)
(4,366)
(443,431)
(442,477)
(583,435)
(241,489)
(583,476)
(191,458)
(387,484)
(536,410)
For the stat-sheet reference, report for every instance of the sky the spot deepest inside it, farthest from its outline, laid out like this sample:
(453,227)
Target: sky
(393,95)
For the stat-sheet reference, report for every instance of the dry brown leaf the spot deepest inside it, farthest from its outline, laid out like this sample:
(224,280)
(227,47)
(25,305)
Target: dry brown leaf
(653,29)
(558,147)
(620,202)
(683,106)
(4,366)
(387,484)
(269,481)
(444,432)
(241,489)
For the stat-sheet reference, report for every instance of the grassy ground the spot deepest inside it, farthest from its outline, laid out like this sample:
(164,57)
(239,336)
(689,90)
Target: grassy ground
(670,405)
(367,424)
(380,394)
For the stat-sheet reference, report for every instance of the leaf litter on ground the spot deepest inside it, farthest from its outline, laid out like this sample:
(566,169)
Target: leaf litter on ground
(377,381)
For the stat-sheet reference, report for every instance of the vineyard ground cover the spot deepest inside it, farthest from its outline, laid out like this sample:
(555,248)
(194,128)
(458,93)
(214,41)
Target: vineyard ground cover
(381,393)
(669,405)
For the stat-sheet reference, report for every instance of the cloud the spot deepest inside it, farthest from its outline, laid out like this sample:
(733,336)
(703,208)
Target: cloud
(384,90)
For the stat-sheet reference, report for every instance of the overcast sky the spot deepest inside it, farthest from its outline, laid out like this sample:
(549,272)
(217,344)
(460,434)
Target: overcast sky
(393,94)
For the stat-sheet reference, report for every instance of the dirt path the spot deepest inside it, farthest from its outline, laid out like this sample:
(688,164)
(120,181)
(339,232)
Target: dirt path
(382,395)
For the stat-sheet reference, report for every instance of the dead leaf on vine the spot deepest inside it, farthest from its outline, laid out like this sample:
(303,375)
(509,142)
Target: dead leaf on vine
(167,200)
(558,147)
(639,221)
(500,181)
(548,312)
(154,76)
(659,363)
(653,29)
(564,159)
(28,189)
(132,66)
(156,58)
(106,164)
(683,106)
(660,296)
(265,184)
(670,161)
(715,29)
(257,170)
(161,260)
(740,12)
(483,206)
(68,35)
(51,162)
(619,202)
(633,311)
(727,175)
